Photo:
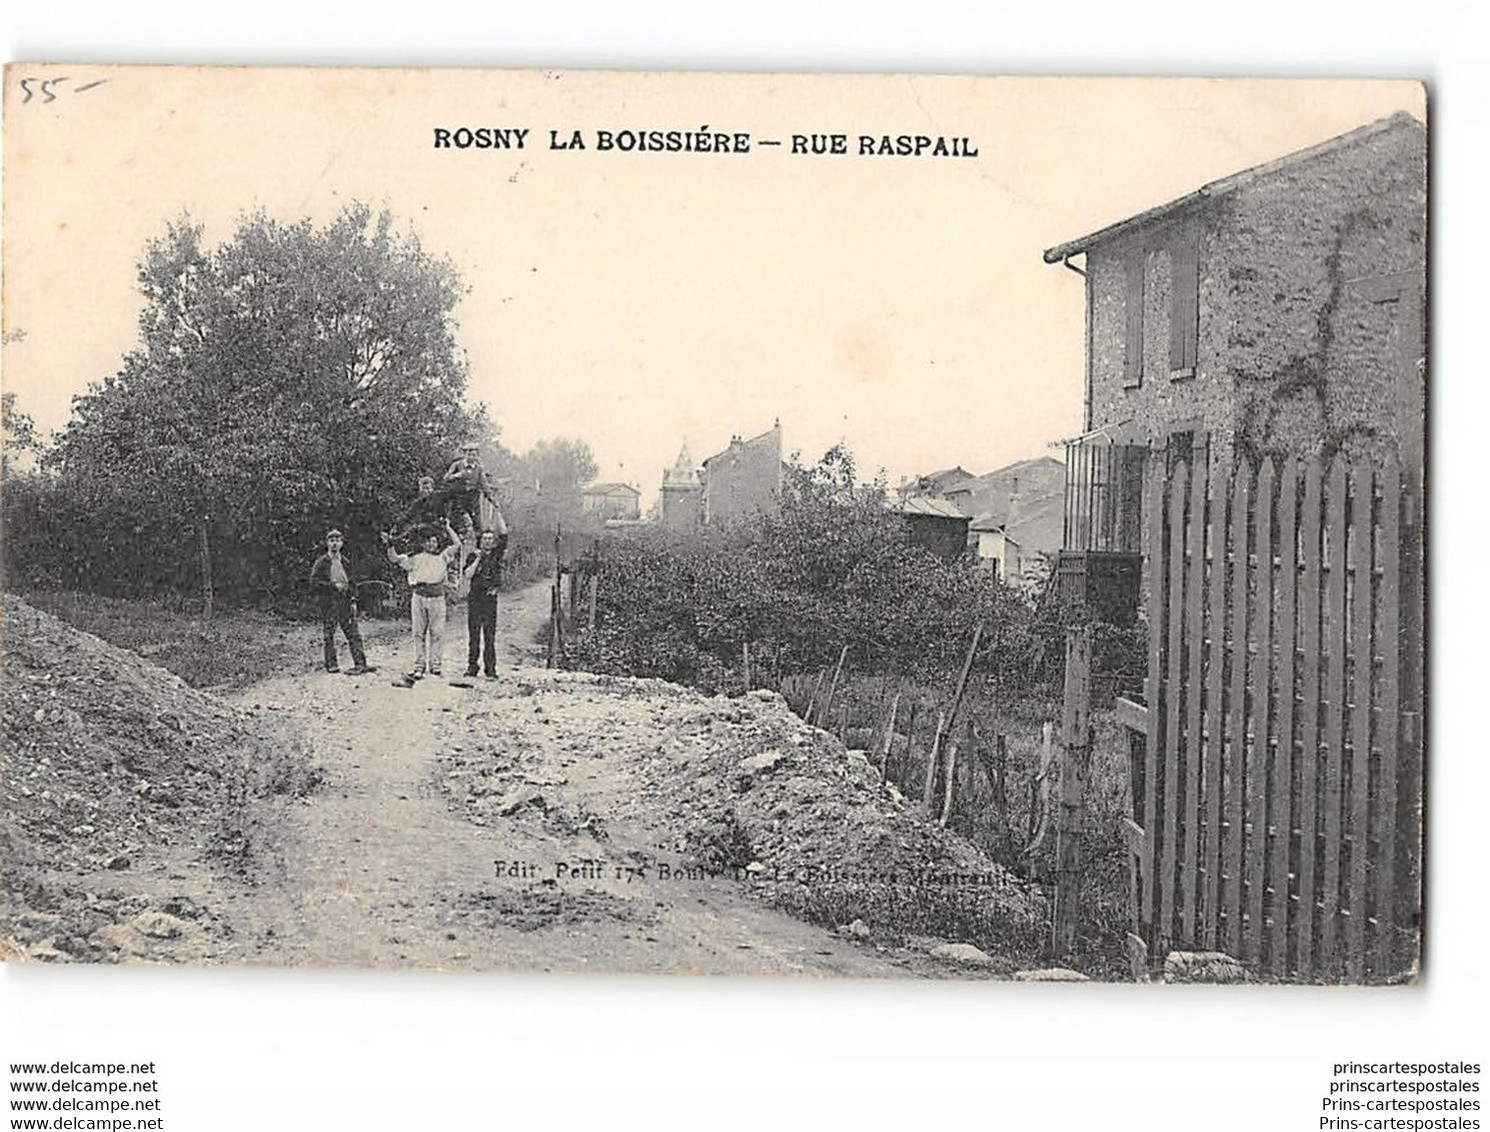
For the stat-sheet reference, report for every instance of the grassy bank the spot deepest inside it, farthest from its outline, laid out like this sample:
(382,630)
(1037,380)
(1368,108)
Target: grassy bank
(233,650)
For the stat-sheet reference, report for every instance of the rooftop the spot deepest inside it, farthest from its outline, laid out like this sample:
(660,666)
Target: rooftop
(990,523)
(920,505)
(1399,121)
(772,433)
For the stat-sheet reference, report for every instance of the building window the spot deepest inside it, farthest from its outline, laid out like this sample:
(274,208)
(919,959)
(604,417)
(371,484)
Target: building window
(1133,312)
(1184,303)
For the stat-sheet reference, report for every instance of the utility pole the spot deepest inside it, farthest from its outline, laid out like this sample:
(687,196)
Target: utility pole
(1076,761)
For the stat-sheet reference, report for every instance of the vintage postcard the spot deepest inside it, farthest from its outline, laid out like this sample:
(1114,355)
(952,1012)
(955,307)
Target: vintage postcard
(874,526)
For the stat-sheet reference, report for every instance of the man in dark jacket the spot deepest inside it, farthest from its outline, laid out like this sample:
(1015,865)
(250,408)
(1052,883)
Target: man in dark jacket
(485,575)
(427,510)
(465,485)
(331,579)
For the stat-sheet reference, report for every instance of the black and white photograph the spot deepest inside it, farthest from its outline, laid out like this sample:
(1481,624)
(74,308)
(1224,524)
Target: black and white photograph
(956,534)
(732,524)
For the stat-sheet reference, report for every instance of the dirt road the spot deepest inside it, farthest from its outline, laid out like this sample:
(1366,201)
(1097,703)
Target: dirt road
(497,826)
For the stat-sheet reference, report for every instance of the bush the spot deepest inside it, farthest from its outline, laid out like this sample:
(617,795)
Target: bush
(835,568)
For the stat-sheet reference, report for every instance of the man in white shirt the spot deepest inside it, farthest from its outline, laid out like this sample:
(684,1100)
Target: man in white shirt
(427,572)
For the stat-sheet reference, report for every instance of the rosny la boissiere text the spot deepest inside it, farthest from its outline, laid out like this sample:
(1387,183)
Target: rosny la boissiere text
(706,140)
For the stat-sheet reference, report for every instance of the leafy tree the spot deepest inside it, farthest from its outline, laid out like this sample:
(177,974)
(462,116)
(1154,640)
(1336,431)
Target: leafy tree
(548,481)
(291,378)
(559,466)
(18,429)
(25,496)
(831,528)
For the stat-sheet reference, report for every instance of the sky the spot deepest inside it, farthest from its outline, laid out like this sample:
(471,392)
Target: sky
(642,300)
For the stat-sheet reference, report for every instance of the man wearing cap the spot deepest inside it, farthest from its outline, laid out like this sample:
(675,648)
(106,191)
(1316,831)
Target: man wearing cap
(331,581)
(466,481)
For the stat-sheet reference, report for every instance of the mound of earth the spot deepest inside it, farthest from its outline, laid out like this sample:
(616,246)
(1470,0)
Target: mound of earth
(116,781)
(817,830)
(678,783)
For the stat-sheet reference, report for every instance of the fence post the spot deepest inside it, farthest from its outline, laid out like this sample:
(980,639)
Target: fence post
(889,735)
(1040,790)
(1000,792)
(952,752)
(812,698)
(556,606)
(928,789)
(206,556)
(910,739)
(1076,756)
(827,710)
(946,719)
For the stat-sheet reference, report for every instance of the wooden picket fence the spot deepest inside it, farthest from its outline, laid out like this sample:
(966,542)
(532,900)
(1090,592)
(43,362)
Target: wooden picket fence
(1277,782)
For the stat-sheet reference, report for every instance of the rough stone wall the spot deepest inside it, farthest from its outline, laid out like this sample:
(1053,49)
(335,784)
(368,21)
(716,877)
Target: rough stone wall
(1311,291)
(1299,353)
(743,480)
(682,506)
(1293,314)
(1159,403)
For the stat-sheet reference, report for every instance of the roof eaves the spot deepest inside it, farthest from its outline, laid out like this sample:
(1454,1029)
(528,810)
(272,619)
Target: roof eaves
(1227,184)
(1122,227)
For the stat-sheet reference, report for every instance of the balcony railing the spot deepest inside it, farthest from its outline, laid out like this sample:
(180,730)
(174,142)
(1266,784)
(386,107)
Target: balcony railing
(1101,558)
(1104,496)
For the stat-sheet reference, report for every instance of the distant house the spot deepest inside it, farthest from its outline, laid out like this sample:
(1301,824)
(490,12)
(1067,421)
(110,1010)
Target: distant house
(1020,538)
(744,480)
(681,504)
(934,485)
(997,549)
(1027,482)
(611,501)
(934,524)
(1022,503)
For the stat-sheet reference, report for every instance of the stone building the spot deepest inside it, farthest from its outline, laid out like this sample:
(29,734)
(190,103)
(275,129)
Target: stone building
(1014,487)
(611,501)
(744,480)
(1278,311)
(682,499)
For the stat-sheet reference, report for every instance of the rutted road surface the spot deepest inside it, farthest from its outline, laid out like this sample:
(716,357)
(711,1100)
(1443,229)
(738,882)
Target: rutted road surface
(504,825)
